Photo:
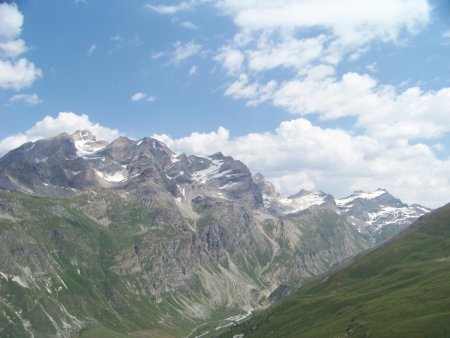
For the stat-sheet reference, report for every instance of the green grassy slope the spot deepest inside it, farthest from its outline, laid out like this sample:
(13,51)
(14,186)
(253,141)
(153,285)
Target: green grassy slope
(401,289)
(56,273)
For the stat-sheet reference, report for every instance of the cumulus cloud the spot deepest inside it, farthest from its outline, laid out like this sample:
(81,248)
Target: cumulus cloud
(380,110)
(14,73)
(50,126)
(301,37)
(232,59)
(300,155)
(12,48)
(18,74)
(197,143)
(139,96)
(31,99)
(352,21)
(269,31)
(11,21)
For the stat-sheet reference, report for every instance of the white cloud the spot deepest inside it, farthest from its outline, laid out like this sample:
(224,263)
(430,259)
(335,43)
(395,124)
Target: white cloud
(299,35)
(446,34)
(11,21)
(31,99)
(269,30)
(143,97)
(197,143)
(18,74)
(352,21)
(51,126)
(184,51)
(289,53)
(193,70)
(380,110)
(12,48)
(300,155)
(173,9)
(189,25)
(14,73)
(232,60)
(91,49)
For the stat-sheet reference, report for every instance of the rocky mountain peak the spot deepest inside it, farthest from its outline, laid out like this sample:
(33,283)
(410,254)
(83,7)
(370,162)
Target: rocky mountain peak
(258,178)
(86,143)
(303,193)
(121,142)
(83,135)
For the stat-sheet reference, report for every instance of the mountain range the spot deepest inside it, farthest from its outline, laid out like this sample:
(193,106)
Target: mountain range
(126,238)
(399,289)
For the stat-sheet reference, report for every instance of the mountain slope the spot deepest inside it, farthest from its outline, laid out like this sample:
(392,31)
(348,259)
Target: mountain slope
(143,239)
(400,289)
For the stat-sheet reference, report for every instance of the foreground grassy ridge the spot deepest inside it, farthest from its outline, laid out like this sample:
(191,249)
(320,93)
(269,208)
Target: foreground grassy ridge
(401,289)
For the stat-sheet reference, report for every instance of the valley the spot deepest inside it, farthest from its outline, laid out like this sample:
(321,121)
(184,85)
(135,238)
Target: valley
(399,289)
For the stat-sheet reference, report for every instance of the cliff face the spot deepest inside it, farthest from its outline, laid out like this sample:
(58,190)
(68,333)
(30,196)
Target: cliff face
(130,237)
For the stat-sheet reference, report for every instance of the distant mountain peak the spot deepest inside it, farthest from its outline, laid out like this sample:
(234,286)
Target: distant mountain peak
(83,135)
(86,142)
(304,192)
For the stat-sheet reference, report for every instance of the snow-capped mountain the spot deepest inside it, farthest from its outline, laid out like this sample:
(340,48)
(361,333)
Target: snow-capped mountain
(145,227)
(69,163)
(376,213)
(379,213)
(279,205)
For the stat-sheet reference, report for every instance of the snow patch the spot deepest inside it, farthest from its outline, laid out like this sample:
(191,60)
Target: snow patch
(212,171)
(392,215)
(118,176)
(295,205)
(228,185)
(41,160)
(86,146)
(360,194)
(174,159)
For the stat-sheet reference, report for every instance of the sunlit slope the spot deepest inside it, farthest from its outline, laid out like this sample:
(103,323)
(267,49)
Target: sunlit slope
(401,289)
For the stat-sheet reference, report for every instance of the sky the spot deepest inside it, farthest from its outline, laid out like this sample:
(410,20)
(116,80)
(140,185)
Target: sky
(315,94)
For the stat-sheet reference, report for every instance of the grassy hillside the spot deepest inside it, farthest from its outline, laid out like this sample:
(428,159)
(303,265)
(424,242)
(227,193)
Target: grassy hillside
(401,289)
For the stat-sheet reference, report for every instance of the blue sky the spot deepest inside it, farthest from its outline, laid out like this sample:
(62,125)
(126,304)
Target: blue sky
(323,95)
